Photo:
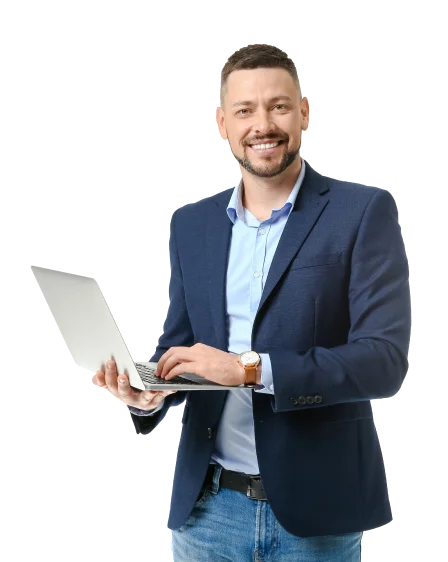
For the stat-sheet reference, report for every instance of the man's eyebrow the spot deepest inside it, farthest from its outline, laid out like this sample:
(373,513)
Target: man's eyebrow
(272,100)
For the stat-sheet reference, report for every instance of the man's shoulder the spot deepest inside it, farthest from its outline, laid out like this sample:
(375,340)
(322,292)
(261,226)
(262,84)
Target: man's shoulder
(352,195)
(204,205)
(344,188)
(347,192)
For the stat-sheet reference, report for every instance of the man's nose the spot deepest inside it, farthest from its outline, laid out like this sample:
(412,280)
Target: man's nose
(264,122)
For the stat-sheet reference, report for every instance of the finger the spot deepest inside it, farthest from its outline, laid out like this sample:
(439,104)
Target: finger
(148,400)
(184,354)
(99,379)
(162,360)
(125,391)
(166,356)
(168,364)
(187,367)
(111,377)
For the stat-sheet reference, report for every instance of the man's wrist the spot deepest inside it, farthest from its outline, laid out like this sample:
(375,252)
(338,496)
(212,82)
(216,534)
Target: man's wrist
(242,371)
(242,376)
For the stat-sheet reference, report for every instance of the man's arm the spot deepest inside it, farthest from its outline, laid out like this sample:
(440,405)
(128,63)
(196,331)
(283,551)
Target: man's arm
(146,423)
(139,412)
(373,363)
(176,331)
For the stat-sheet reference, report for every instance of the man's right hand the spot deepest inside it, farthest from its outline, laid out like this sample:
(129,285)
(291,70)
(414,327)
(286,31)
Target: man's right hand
(119,386)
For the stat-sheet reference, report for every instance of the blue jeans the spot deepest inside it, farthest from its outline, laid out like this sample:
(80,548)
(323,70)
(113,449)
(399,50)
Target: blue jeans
(227,526)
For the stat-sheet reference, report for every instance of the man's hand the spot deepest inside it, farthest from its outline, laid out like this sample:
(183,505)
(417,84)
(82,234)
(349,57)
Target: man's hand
(208,362)
(119,386)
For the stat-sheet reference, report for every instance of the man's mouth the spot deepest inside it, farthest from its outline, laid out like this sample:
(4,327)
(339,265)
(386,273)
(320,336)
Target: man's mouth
(265,148)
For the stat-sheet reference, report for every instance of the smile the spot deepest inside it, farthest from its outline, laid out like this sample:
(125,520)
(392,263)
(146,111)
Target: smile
(266,148)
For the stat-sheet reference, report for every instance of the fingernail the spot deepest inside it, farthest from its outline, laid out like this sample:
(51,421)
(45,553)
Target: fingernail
(110,364)
(122,381)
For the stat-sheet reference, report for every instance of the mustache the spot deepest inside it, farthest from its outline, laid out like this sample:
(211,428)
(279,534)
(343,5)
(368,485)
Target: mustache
(264,140)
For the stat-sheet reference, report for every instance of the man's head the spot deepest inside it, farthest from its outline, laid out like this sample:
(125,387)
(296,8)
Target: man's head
(261,102)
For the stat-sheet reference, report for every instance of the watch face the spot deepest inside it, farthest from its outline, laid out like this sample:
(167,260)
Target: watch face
(249,358)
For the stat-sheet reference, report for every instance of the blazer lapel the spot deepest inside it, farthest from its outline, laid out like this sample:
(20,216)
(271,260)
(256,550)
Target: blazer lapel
(218,235)
(309,205)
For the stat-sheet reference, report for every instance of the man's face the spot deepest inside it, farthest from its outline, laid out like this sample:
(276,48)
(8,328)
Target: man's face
(263,106)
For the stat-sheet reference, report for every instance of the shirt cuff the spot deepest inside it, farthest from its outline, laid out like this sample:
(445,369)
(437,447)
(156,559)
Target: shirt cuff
(138,412)
(267,383)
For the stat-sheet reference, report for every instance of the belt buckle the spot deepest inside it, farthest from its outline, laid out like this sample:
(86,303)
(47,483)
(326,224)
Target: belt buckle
(249,493)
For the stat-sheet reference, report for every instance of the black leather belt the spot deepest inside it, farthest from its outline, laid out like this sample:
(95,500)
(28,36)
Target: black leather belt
(250,485)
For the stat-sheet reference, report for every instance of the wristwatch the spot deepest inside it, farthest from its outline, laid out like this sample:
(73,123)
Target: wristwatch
(249,360)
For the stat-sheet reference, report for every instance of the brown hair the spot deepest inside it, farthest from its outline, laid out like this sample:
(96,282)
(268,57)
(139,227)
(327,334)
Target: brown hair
(257,56)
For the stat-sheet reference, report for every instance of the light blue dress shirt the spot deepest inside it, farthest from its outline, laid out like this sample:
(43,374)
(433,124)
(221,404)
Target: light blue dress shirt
(235,439)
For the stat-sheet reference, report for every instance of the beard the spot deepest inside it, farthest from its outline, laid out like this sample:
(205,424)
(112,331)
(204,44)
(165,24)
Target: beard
(268,169)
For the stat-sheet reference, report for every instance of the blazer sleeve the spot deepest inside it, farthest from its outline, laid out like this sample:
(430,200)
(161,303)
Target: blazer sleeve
(373,362)
(177,331)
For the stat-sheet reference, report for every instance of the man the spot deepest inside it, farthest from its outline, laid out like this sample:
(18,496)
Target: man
(310,274)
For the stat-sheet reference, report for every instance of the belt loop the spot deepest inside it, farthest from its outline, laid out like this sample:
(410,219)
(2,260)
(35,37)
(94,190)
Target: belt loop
(216,477)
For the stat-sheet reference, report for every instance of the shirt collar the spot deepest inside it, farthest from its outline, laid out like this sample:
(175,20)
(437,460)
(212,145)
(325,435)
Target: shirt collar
(235,207)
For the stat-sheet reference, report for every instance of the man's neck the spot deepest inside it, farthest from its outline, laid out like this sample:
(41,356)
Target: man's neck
(261,195)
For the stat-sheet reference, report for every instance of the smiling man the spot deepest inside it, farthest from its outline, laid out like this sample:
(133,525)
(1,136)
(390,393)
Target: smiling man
(268,153)
(295,285)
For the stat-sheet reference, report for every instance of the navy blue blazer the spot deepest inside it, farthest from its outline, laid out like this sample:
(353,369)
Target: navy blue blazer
(335,319)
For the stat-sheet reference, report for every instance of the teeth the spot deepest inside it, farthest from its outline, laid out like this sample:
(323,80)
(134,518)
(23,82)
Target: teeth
(264,146)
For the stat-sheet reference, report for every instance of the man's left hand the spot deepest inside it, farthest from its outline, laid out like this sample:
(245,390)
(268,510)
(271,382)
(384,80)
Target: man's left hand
(202,360)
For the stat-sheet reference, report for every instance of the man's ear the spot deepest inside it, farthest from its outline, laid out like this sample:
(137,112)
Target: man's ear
(220,120)
(305,112)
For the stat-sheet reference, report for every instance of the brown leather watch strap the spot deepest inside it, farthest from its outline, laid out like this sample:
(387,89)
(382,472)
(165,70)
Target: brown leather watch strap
(250,375)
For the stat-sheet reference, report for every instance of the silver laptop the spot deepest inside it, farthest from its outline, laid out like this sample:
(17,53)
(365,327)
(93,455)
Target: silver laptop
(92,336)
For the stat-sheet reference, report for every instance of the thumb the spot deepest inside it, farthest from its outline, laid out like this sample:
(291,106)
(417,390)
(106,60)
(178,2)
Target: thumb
(148,395)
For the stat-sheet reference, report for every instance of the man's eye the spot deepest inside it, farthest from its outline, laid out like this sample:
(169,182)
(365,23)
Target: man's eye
(280,105)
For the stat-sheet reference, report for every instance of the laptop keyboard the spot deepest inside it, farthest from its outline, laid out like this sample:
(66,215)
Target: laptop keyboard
(147,375)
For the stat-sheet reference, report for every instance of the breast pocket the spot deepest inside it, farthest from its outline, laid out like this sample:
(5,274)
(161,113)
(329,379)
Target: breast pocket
(315,261)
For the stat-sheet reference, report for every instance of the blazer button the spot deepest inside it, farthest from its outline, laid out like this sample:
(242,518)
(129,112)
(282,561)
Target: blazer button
(209,432)
(302,400)
(318,399)
(309,400)
(294,400)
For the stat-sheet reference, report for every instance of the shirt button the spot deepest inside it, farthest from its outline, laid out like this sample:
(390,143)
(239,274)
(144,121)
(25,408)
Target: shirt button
(261,231)
(256,274)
